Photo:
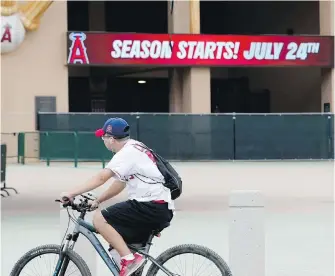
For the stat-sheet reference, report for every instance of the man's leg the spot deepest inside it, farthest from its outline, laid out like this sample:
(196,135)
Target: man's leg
(129,262)
(110,234)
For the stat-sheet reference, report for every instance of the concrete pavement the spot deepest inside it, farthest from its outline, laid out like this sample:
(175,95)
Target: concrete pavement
(299,211)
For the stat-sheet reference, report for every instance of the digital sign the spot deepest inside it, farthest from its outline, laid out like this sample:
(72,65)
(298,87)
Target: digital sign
(120,49)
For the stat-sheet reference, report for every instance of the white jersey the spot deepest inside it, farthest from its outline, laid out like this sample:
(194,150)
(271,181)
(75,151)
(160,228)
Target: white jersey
(135,165)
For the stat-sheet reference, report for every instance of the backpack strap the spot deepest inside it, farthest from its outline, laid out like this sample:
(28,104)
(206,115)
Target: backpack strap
(136,175)
(143,146)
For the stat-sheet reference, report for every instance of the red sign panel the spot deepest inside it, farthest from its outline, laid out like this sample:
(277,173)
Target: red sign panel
(199,50)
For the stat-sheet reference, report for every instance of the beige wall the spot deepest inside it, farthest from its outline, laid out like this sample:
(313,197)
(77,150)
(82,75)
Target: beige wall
(37,68)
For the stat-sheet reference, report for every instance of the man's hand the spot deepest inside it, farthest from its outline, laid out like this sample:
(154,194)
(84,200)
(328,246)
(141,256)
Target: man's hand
(95,205)
(66,195)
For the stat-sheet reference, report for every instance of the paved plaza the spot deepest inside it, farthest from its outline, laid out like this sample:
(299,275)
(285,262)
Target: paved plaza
(299,221)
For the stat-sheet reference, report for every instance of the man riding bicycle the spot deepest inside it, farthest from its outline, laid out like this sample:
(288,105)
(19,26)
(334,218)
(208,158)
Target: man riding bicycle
(149,203)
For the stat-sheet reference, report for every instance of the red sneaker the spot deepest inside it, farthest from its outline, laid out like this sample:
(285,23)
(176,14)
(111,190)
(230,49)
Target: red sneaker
(128,267)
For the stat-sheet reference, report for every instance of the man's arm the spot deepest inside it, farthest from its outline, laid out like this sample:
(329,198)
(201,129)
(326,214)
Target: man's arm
(95,182)
(116,188)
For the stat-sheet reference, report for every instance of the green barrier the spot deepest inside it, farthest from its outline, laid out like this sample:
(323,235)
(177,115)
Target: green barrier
(187,137)
(58,145)
(72,146)
(21,148)
(83,121)
(283,137)
(196,137)
(91,148)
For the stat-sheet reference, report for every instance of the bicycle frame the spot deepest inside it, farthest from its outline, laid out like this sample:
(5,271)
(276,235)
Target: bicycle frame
(88,230)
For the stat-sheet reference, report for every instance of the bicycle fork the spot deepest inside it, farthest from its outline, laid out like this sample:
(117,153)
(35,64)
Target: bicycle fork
(64,260)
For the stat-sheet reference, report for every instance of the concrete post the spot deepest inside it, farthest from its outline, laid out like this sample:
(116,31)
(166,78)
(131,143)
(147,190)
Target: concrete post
(83,247)
(246,234)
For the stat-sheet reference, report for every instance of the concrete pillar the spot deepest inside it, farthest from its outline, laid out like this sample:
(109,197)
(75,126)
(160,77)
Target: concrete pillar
(197,90)
(177,23)
(176,90)
(246,234)
(190,87)
(327,27)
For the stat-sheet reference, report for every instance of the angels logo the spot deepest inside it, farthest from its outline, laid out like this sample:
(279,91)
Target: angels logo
(109,129)
(12,33)
(17,19)
(7,34)
(77,51)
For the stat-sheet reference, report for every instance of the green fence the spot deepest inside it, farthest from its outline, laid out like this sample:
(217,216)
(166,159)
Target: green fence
(72,146)
(70,137)
(174,136)
(284,137)
(61,146)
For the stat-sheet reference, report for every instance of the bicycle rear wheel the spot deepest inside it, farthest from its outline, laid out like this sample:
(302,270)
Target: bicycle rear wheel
(199,267)
(37,256)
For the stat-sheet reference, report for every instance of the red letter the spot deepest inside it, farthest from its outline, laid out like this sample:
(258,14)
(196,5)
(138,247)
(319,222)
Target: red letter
(77,52)
(7,35)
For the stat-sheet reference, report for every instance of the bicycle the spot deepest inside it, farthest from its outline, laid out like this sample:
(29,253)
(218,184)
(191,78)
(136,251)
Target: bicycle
(66,254)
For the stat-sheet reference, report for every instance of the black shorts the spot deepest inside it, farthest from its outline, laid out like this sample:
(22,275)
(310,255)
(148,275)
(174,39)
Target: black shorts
(135,220)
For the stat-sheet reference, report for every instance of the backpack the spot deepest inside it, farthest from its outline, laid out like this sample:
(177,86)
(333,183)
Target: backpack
(172,179)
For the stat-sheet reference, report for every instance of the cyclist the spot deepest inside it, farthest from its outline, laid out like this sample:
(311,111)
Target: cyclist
(149,203)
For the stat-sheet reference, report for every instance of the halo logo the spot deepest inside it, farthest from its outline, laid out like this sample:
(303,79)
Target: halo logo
(17,19)
(12,33)
(77,51)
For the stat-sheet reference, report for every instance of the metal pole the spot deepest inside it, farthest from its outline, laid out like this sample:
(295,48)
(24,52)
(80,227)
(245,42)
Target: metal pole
(76,148)
(47,148)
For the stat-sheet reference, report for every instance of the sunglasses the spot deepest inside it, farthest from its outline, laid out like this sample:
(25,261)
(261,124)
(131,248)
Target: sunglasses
(106,137)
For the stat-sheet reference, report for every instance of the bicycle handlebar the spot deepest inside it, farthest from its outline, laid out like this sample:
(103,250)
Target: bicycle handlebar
(83,206)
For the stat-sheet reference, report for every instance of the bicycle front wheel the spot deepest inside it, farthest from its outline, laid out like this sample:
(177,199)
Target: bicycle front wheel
(42,260)
(190,260)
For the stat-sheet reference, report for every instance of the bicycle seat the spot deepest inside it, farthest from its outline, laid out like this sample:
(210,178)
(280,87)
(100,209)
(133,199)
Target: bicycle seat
(141,244)
(160,228)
